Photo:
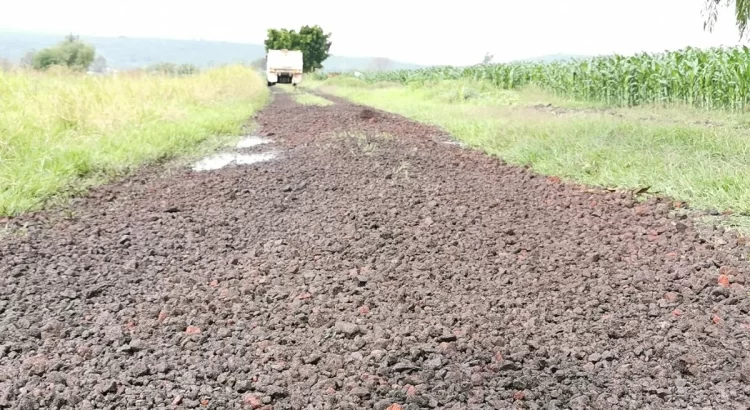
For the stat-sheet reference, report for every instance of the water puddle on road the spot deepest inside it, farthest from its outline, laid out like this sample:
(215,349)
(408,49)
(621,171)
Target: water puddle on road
(224,159)
(252,141)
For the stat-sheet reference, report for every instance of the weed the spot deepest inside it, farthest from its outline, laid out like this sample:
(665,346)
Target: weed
(310,99)
(402,170)
(62,132)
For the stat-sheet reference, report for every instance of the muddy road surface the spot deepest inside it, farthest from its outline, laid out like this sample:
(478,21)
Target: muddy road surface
(368,264)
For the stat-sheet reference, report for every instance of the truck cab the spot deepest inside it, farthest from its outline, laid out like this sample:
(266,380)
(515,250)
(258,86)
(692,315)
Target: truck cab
(284,66)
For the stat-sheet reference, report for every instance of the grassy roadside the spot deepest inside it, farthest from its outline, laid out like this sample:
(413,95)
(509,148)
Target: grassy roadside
(310,99)
(701,157)
(302,97)
(62,131)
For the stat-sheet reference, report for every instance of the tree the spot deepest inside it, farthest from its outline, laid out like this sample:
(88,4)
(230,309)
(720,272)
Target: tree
(46,58)
(316,46)
(99,65)
(487,59)
(311,40)
(5,64)
(71,52)
(282,40)
(741,14)
(379,64)
(76,54)
(259,64)
(27,61)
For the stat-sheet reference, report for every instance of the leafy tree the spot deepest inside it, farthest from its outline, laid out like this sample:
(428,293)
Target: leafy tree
(379,64)
(46,59)
(311,40)
(27,61)
(282,40)
(741,14)
(71,52)
(187,69)
(76,54)
(316,46)
(259,64)
(99,65)
(5,64)
(487,59)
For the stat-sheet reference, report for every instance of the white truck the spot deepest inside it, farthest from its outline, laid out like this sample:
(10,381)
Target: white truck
(284,66)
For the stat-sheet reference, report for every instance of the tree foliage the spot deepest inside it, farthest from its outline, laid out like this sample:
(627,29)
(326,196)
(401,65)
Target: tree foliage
(5,64)
(741,14)
(99,65)
(380,64)
(71,52)
(259,63)
(27,61)
(311,40)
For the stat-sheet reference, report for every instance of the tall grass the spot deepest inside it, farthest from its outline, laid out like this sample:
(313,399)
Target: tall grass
(710,78)
(60,130)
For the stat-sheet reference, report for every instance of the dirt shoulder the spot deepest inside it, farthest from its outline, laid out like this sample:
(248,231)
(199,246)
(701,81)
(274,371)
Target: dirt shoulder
(369,263)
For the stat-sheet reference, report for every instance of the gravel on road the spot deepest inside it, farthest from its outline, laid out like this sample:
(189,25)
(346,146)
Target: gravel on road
(370,264)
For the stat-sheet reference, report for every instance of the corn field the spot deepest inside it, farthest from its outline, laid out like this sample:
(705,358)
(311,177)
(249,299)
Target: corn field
(707,78)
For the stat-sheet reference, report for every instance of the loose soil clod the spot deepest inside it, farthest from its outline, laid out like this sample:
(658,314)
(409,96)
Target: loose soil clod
(318,282)
(366,114)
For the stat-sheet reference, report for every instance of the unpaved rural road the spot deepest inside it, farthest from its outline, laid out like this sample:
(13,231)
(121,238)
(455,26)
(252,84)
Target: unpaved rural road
(358,271)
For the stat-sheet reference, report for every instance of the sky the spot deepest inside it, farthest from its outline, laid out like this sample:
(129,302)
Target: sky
(416,31)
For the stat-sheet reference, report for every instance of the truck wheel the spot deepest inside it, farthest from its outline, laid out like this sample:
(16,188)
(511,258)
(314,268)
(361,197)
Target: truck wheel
(269,83)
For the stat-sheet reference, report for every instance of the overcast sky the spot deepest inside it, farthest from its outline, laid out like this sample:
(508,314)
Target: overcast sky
(419,31)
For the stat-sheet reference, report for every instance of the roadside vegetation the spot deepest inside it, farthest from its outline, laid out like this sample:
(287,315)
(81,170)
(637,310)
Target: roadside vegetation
(61,130)
(303,97)
(173,69)
(710,78)
(70,52)
(310,99)
(674,123)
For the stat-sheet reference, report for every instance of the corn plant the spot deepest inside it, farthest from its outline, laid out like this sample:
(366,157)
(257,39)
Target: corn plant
(707,78)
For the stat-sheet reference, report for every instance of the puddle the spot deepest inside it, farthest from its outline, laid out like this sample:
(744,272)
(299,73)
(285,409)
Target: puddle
(252,141)
(221,160)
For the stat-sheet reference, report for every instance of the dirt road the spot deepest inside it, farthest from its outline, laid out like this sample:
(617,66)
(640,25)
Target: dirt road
(369,263)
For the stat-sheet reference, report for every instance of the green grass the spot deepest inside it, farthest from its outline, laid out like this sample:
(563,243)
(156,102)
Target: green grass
(302,97)
(310,99)
(698,156)
(61,131)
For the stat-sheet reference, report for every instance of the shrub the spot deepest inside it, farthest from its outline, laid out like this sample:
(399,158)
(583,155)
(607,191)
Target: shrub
(71,52)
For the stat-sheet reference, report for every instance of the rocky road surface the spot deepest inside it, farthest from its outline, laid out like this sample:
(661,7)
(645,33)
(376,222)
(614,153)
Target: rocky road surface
(370,265)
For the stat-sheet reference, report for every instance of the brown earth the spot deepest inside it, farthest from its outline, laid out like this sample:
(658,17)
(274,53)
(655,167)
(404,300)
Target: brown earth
(370,264)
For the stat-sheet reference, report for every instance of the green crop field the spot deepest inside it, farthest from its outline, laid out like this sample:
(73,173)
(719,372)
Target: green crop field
(712,78)
(674,122)
(62,131)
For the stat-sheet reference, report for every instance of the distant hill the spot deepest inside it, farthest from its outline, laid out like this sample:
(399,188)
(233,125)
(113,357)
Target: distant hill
(132,52)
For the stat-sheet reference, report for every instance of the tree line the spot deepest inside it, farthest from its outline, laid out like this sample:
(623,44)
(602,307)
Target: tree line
(71,52)
(77,55)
